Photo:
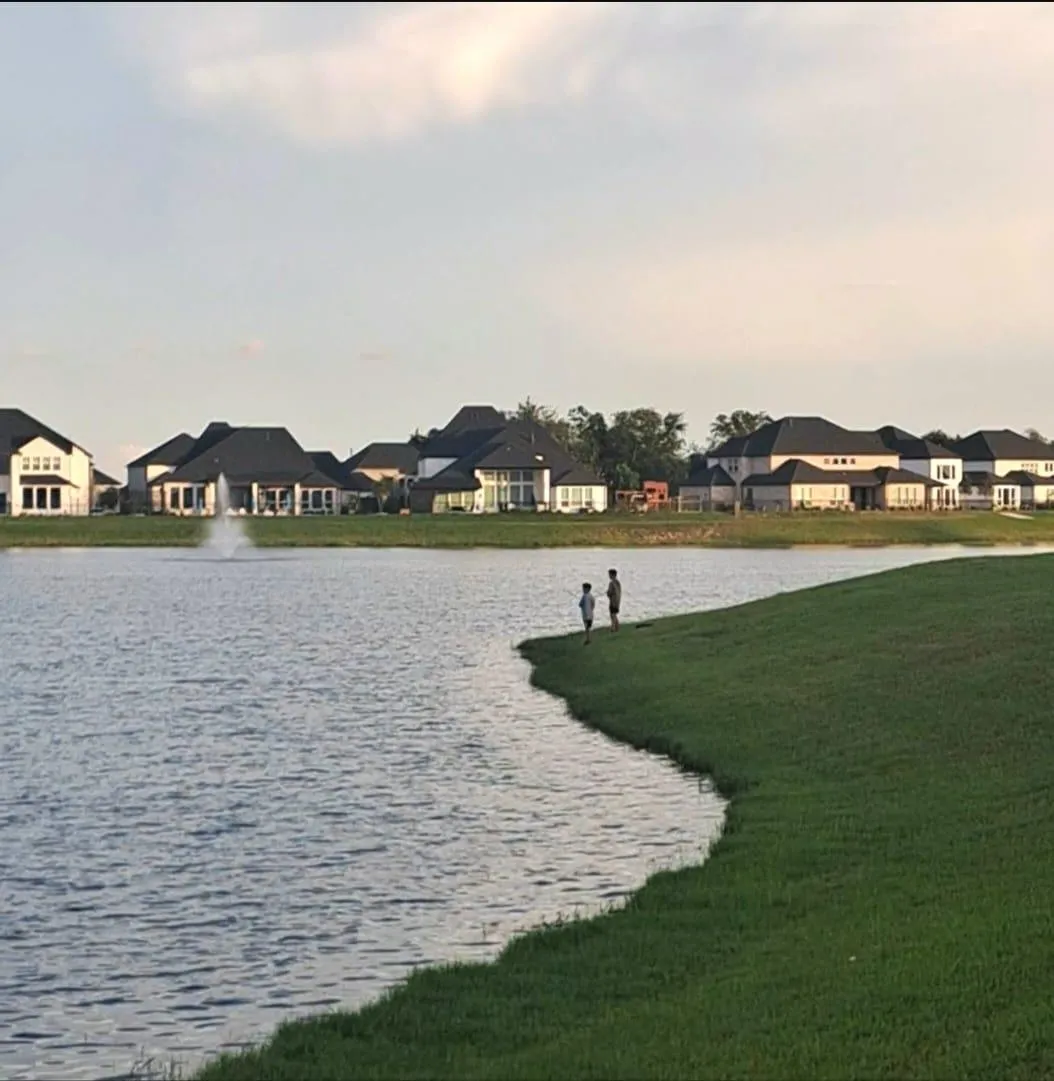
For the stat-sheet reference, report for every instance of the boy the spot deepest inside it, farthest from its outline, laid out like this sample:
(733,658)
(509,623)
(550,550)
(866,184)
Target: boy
(614,598)
(587,602)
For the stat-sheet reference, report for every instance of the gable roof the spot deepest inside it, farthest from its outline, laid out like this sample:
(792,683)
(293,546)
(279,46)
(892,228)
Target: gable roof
(398,456)
(103,480)
(349,480)
(988,445)
(470,426)
(168,453)
(711,476)
(17,428)
(730,448)
(913,447)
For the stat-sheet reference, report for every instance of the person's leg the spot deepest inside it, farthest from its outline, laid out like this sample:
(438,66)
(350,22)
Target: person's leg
(614,620)
(589,627)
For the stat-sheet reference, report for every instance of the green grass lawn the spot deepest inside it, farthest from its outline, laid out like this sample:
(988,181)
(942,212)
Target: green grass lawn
(881,903)
(543,530)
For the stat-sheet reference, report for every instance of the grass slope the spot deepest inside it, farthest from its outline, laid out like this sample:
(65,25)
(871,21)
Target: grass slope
(543,530)
(879,905)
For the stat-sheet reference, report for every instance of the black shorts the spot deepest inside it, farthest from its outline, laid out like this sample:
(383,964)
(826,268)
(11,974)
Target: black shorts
(614,609)
(588,624)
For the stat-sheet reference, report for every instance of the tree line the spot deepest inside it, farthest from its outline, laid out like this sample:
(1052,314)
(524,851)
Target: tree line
(635,445)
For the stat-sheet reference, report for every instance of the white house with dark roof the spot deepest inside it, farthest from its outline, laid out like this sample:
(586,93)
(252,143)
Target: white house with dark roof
(153,464)
(483,462)
(811,463)
(41,471)
(923,456)
(266,469)
(1005,470)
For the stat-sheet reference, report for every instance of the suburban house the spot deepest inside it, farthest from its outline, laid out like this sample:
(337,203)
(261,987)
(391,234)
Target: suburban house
(148,467)
(266,469)
(1005,470)
(483,462)
(106,490)
(358,491)
(708,488)
(41,471)
(923,456)
(810,463)
(385,462)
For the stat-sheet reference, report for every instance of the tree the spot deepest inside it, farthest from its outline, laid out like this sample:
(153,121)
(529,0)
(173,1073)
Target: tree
(940,437)
(545,416)
(1032,433)
(740,422)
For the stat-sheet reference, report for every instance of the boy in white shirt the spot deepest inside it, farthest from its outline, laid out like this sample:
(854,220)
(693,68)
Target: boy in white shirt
(587,603)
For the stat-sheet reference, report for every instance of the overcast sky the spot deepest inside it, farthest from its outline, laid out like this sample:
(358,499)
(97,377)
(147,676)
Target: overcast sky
(352,219)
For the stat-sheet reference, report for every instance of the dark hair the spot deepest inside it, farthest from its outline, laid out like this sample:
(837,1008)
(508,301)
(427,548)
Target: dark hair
(612,573)
(586,586)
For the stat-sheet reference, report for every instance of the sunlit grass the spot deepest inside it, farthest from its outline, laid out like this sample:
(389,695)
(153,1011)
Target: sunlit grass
(543,530)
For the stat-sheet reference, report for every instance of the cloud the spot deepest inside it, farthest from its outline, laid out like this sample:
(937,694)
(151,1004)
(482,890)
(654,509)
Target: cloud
(895,206)
(874,294)
(325,75)
(128,452)
(252,348)
(31,352)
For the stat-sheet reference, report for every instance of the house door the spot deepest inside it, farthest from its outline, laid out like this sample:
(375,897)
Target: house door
(3,502)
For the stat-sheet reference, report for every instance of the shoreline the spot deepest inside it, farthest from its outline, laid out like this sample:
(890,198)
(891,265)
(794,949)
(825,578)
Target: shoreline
(751,531)
(873,858)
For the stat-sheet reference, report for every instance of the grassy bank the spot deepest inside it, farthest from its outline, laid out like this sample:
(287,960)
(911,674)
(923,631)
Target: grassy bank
(543,531)
(880,902)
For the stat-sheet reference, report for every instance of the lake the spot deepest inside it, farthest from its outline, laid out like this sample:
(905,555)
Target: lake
(238,791)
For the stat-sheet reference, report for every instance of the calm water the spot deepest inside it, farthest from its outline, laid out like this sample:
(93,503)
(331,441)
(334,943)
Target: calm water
(237,791)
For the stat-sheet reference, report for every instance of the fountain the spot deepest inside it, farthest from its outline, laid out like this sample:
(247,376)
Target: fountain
(225,533)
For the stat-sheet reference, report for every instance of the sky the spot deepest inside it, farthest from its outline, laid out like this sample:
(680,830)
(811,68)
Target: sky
(352,219)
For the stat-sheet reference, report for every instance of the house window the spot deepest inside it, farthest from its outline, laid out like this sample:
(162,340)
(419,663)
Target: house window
(852,461)
(42,499)
(25,465)
(173,499)
(36,465)
(56,499)
(27,498)
(827,461)
(188,498)
(327,500)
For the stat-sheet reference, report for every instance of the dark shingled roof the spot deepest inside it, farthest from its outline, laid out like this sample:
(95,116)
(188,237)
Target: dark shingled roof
(912,447)
(710,477)
(17,428)
(171,452)
(1025,479)
(450,479)
(244,455)
(730,448)
(349,480)
(795,471)
(104,480)
(989,445)
(398,456)
(810,435)
(467,429)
